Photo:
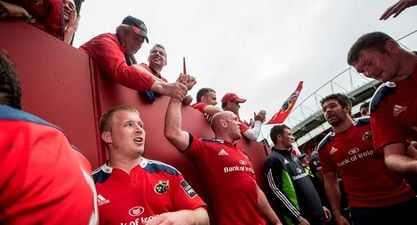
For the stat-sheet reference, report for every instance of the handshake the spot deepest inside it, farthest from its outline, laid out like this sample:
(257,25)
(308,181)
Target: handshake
(186,81)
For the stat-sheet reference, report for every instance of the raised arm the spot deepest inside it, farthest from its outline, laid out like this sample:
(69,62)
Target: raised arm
(173,120)
(253,133)
(397,8)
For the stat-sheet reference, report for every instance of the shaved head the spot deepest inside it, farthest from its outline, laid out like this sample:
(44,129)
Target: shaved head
(226,126)
(220,116)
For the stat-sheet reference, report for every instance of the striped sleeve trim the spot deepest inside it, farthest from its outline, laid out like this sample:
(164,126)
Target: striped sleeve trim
(281,196)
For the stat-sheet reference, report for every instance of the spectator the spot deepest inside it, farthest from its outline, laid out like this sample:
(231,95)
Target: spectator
(231,102)
(206,103)
(397,8)
(46,14)
(290,190)
(394,104)
(44,180)
(376,195)
(134,190)
(60,20)
(157,60)
(236,198)
(71,20)
(364,109)
(114,54)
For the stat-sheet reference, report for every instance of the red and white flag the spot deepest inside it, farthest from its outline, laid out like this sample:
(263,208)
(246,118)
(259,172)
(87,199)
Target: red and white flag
(286,108)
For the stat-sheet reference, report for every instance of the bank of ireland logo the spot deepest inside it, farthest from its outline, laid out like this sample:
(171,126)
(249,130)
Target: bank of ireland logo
(161,187)
(136,211)
(353,151)
(243,162)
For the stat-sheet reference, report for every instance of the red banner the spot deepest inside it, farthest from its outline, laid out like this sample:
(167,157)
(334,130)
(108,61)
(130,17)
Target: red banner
(286,108)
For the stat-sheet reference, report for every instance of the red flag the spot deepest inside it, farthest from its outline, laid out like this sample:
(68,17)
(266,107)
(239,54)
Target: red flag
(286,108)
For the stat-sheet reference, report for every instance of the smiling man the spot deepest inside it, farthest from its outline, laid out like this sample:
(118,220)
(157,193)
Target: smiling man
(134,190)
(114,54)
(157,60)
(394,104)
(289,188)
(376,195)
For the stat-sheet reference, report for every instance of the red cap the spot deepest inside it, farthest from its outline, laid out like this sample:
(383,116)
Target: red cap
(232,97)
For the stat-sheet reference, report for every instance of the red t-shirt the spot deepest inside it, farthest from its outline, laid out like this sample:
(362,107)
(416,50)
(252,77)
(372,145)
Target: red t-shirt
(367,181)
(199,106)
(243,126)
(48,14)
(394,112)
(108,53)
(152,188)
(230,177)
(43,180)
(153,72)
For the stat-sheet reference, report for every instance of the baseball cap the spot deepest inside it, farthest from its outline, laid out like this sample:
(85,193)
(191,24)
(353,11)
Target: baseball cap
(232,97)
(137,25)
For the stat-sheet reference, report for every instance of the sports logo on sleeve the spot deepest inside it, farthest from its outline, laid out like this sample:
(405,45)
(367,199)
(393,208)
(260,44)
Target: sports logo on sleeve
(161,187)
(188,189)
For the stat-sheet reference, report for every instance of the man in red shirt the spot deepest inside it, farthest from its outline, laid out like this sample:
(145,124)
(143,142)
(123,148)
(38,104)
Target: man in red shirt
(47,15)
(231,102)
(134,190)
(227,170)
(43,179)
(376,195)
(394,104)
(206,103)
(157,60)
(114,53)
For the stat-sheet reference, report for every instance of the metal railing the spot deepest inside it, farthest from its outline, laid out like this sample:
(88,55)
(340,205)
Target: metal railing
(345,82)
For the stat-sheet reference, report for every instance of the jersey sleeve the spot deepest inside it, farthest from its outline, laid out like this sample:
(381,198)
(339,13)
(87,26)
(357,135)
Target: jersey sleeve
(185,196)
(326,162)
(196,149)
(384,128)
(107,53)
(199,106)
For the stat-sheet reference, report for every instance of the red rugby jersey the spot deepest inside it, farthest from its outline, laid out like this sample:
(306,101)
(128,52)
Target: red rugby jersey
(43,180)
(366,179)
(151,188)
(230,177)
